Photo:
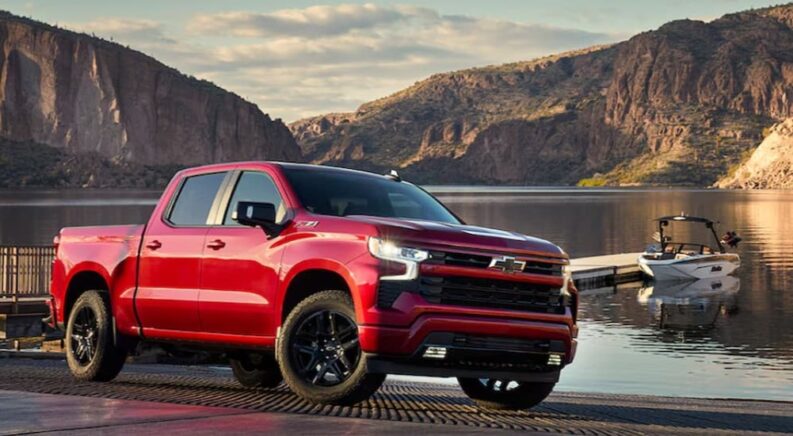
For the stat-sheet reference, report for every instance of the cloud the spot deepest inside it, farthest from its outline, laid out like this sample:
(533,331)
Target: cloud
(313,21)
(301,62)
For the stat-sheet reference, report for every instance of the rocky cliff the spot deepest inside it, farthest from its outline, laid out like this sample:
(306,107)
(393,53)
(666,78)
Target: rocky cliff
(81,94)
(770,165)
(678,105)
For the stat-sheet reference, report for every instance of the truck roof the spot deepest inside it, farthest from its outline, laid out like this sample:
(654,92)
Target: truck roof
(293,165)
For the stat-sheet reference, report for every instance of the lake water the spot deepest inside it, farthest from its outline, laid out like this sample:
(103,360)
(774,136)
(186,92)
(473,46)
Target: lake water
(731,340)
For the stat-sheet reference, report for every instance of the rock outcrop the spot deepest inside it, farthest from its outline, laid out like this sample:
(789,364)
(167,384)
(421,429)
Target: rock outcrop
(770,165)
(676,106)
(81,94)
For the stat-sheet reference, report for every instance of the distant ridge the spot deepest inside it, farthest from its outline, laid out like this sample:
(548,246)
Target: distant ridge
(680,105)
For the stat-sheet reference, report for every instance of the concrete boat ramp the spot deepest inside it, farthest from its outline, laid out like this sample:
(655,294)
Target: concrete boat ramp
(40,396)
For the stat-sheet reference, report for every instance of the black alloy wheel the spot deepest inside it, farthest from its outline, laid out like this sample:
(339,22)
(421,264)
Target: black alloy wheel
(325,349)
(319,351)
(85,336)
(93,351)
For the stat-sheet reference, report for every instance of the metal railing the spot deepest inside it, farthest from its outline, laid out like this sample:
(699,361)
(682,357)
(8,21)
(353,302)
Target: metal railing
(25,270)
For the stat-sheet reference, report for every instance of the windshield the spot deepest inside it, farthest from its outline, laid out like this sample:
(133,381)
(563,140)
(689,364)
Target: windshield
(342,193)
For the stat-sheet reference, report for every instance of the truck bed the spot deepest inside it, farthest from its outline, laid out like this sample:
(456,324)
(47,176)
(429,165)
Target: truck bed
(110,252)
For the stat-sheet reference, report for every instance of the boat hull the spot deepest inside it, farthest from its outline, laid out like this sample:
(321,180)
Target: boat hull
(702,266)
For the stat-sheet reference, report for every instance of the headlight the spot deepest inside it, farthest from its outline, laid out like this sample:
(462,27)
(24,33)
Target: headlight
(387,250)
(410,257)
(567,273)
(568,280)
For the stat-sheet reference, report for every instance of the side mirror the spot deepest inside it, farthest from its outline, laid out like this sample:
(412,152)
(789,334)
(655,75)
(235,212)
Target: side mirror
(255,214)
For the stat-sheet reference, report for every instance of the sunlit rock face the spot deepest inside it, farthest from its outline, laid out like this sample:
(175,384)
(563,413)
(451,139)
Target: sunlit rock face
(84,94)
(771,164)
(680,105)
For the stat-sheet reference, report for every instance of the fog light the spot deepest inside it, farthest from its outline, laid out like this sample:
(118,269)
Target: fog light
(555,359)
(435,353)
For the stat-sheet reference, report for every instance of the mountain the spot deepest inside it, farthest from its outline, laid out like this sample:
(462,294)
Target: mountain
(680,105)
(770,165)
(94,103)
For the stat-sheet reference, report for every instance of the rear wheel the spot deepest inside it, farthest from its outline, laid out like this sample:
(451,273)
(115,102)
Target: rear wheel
(505,394)
(319,353)
(254,370)
(91,352)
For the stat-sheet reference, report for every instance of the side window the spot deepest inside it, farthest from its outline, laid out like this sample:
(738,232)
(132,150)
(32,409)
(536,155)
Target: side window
(195,199)
(258,187)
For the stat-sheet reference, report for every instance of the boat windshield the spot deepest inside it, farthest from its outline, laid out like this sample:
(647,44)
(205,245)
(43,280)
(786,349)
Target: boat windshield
(687,237)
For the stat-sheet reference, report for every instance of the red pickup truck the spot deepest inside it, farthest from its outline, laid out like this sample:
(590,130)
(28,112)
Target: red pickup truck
(325,278)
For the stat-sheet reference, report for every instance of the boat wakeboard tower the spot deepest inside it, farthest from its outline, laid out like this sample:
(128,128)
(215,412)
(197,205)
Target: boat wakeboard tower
(669,259)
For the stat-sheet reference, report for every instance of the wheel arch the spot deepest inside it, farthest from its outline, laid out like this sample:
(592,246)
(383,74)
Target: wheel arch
(310,278)
(87,278)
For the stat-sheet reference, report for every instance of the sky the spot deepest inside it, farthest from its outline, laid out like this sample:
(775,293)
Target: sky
(301,58)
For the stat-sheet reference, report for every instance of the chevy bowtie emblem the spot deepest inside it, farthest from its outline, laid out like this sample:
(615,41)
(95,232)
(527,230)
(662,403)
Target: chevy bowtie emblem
(507,264)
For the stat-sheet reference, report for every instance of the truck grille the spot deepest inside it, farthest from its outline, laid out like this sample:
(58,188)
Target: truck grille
(533,266)
(494,294)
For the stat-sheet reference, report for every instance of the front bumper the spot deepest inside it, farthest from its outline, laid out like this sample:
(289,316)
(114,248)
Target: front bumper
(444,354)
(472,347)
(396,335)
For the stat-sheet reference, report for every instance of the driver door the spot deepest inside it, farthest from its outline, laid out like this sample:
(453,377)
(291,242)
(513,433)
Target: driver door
(240,267)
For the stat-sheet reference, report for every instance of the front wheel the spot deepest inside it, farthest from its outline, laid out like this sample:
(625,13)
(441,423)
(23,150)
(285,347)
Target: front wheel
(319,353)
(505,394)
(91,352)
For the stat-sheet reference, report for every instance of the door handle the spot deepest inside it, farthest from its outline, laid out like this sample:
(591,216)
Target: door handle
(217,244)
(153,245)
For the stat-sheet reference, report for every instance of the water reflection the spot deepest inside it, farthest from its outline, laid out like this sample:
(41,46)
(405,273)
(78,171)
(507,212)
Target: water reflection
(690,305)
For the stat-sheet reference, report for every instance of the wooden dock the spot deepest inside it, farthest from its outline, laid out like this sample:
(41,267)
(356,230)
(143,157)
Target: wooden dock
(609,270)
(24,290)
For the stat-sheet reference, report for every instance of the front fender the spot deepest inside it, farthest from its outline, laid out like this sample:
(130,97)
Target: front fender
(332,254)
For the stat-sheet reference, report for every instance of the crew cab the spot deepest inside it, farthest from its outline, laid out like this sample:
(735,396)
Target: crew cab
(324,278)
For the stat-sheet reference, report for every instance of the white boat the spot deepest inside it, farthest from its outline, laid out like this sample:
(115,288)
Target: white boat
(674,260)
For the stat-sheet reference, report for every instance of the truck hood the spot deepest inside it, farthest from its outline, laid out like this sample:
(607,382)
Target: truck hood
(432,234)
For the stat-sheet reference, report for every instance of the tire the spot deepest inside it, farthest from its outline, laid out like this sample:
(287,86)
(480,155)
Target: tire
(505,395)
(254,370)
(91,352)
(319,354)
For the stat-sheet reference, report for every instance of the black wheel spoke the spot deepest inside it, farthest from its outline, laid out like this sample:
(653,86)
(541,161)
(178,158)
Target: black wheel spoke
(307,349)
(336,370)
(345,363)
(322,328)
(343,333)
(326,342)
(332,324)
(352,343)
(311,365)
(323,369)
